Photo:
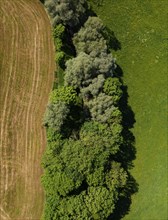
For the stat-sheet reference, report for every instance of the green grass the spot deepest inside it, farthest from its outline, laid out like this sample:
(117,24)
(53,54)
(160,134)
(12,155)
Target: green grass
(141,27)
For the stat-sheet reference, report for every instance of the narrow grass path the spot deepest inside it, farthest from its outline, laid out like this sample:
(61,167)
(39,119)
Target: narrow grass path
(142,29)
(26,78)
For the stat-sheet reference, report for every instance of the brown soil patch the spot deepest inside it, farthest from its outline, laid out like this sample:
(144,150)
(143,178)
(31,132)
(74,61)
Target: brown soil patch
(26,77)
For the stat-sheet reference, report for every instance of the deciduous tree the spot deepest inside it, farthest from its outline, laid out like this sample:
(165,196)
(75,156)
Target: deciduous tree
(90,38)
(55,115)
(112,87)
(68,12)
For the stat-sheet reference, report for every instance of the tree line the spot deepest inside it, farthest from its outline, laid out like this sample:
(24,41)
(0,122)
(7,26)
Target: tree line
(83,177)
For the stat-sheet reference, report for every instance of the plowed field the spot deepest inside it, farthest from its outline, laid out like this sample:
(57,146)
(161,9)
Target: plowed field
(26,77)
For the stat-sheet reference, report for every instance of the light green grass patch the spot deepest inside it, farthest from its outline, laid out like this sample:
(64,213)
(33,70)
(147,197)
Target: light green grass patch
(141,27)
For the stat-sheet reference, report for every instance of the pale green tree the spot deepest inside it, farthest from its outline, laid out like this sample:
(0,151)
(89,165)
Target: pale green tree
(90,38)
(67,12)
(55,115)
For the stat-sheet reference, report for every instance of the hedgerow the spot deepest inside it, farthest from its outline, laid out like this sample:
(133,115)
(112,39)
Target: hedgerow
(83,179)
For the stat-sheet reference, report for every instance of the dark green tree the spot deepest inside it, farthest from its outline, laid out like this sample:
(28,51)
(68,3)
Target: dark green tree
(65,94)
(79,179)
(112,87)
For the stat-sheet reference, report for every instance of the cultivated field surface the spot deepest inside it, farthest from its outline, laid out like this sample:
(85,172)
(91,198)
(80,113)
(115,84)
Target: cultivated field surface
(26,77)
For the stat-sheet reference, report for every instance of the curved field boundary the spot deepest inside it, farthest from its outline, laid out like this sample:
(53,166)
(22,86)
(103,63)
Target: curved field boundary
(26,77)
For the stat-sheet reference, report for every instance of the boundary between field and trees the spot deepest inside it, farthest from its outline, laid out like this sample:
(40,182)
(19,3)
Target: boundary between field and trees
(90,147)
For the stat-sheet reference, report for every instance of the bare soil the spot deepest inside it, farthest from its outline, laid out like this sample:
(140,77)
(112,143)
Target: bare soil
(26,78)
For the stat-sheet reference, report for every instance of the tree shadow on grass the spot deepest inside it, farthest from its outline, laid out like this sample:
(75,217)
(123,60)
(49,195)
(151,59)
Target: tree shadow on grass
(113,42)
(124,202)
(126,154)
(127,151)
(98,2)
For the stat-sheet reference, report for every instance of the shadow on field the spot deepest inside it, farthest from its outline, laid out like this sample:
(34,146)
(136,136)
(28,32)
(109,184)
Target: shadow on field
(127,152)
(98,2)
(113,42)
(124,202)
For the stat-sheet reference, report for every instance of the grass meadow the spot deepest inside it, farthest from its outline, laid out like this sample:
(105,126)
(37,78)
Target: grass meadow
(141,28)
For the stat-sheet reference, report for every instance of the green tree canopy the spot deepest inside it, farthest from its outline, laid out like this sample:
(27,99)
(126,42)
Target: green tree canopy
(112,87)
(82,69)
(101,107)
(65,94)
(66,12)
(56,115)
(81,174)
(90,38)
